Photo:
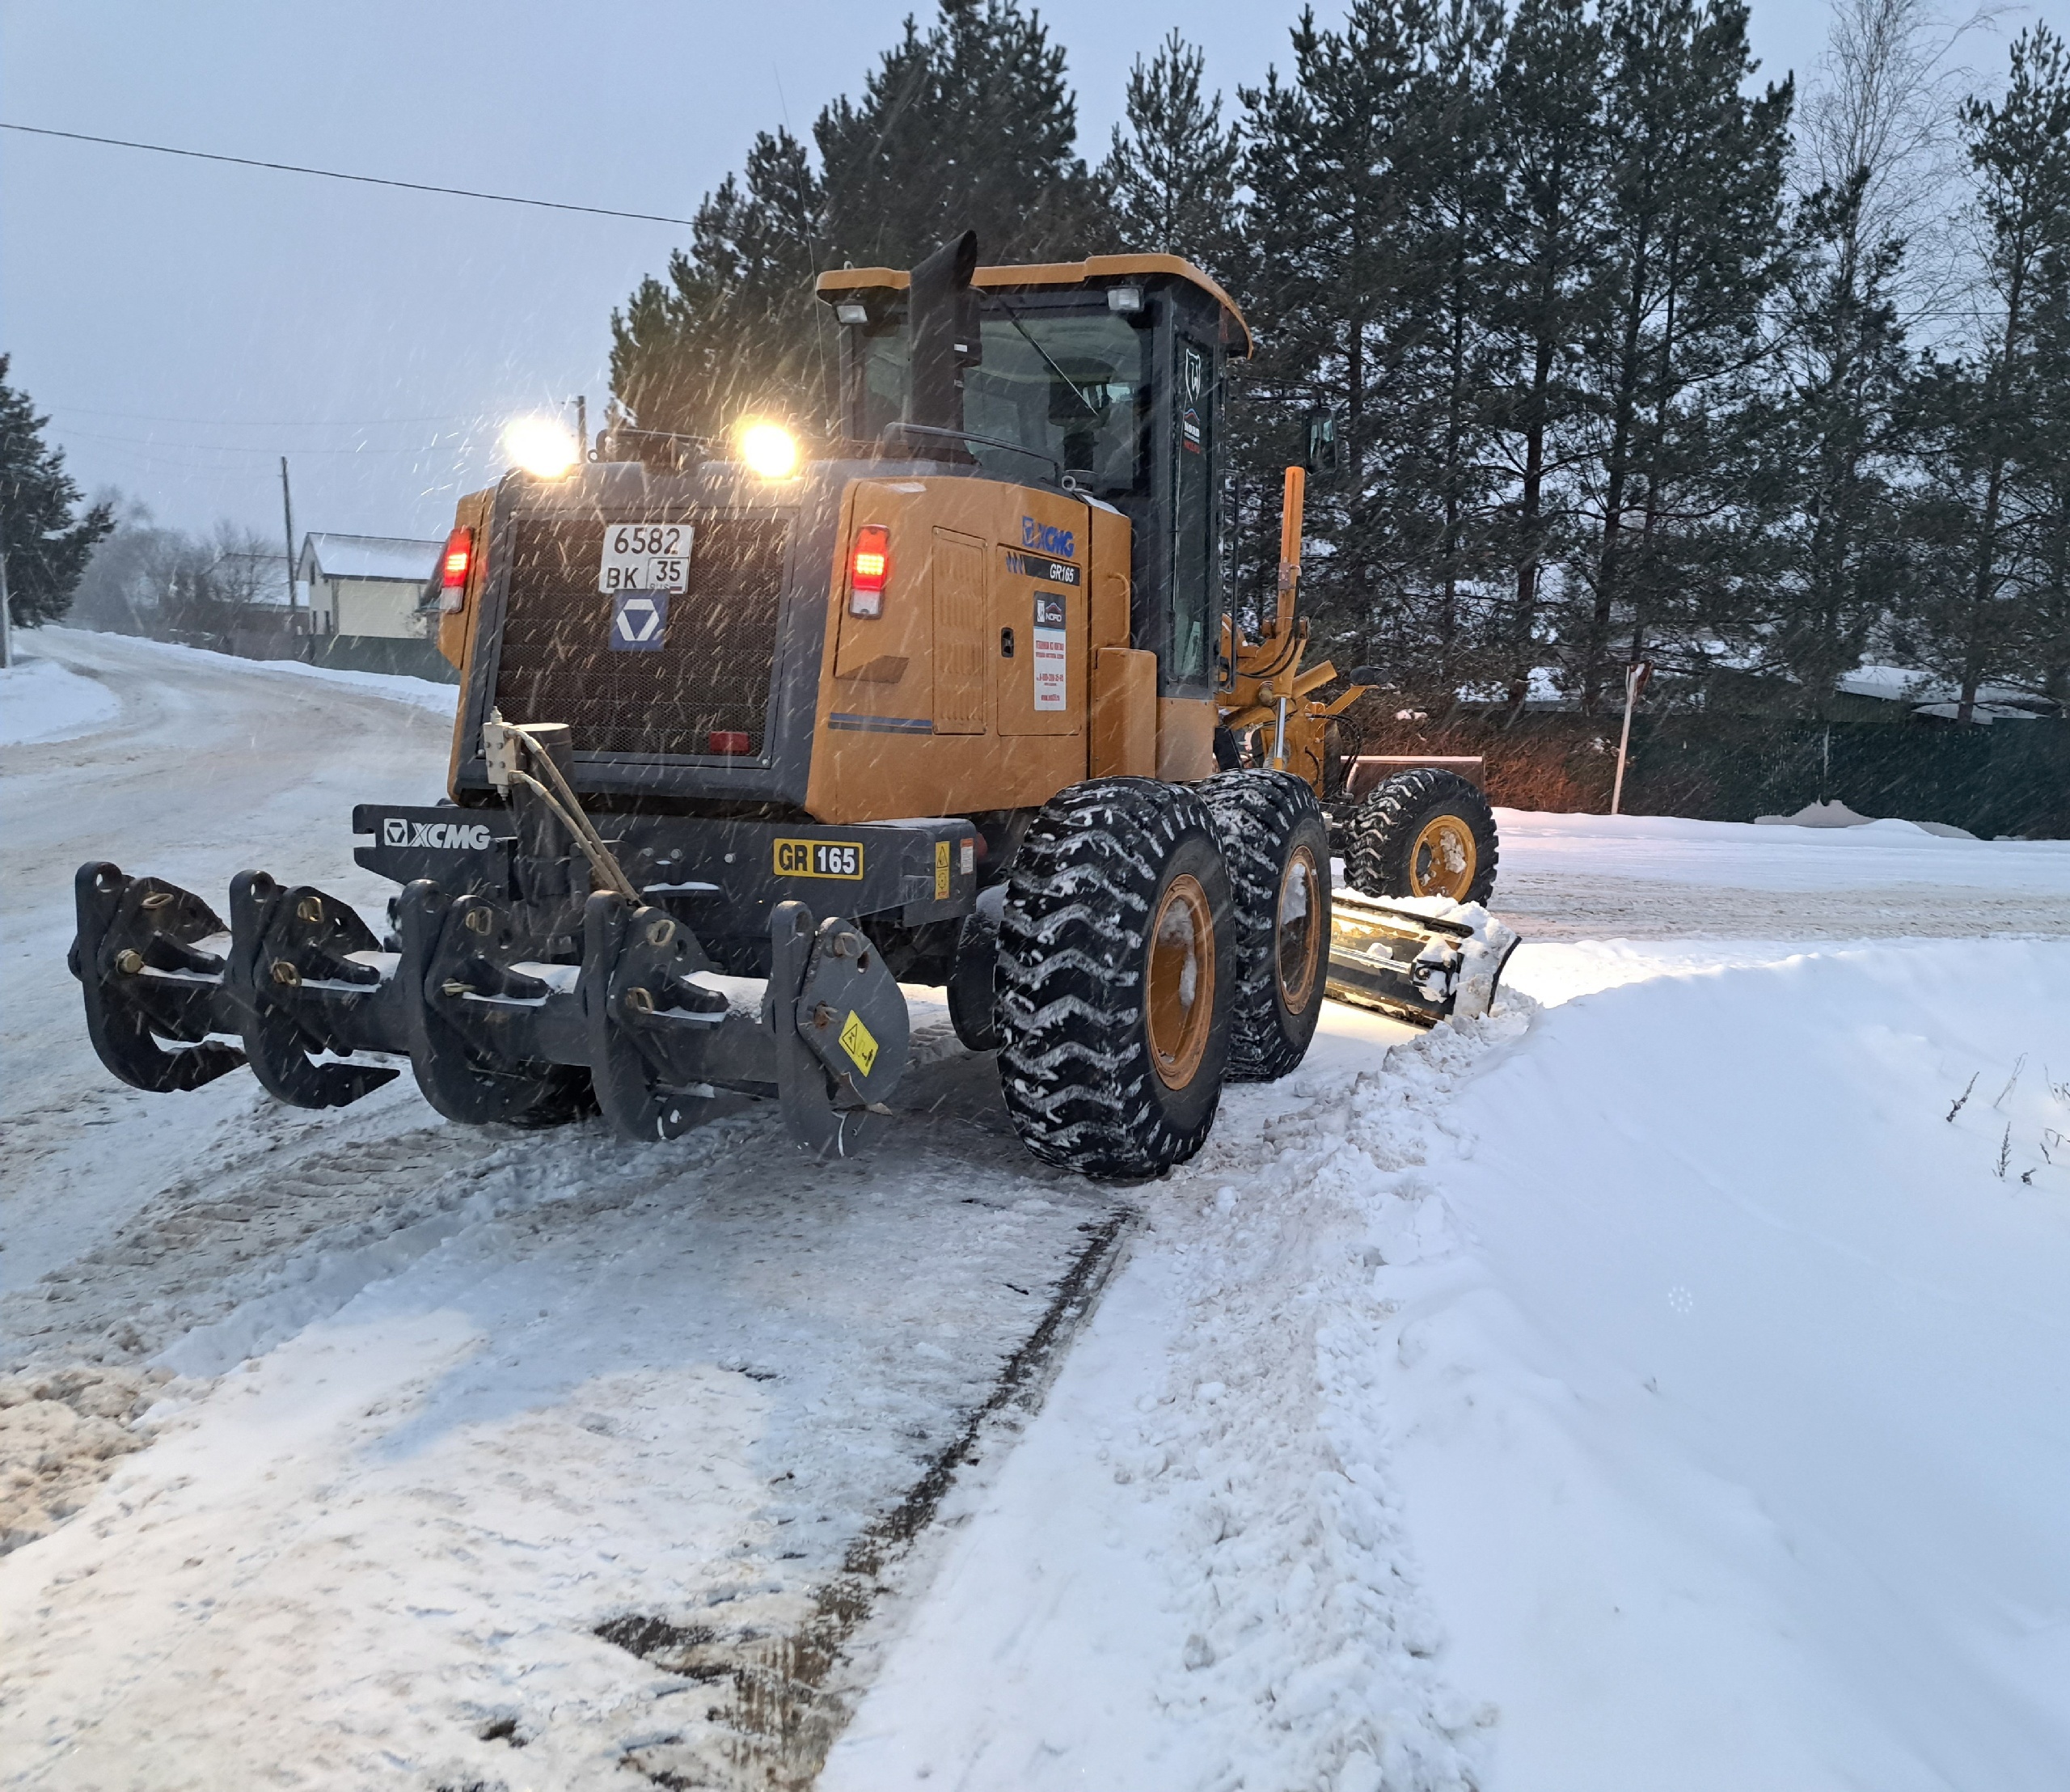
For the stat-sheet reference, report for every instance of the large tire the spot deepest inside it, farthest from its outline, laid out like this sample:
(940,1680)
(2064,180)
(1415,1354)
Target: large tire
(1276,845)
(1426,832)
(1112,987)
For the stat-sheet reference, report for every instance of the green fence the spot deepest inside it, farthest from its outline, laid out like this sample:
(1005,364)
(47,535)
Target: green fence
(416,659)
(2009,778)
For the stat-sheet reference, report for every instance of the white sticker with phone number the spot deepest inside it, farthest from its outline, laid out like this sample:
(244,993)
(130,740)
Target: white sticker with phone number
(1051,685)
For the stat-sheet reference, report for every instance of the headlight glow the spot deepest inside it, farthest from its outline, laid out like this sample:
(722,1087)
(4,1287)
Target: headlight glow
(769,449)
(540,446)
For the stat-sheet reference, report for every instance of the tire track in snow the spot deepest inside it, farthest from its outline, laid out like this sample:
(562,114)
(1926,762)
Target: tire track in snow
(1194,1572)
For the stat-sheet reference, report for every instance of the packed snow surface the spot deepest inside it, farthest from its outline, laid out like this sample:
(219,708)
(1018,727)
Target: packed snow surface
(1657,1383)
(41,701)
(171,656)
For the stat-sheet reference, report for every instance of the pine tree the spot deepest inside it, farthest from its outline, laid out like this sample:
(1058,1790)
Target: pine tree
(972,126)
(1836,427)
(1328,258)
(968,125)
(1448,478)
(735,328)
(1694,195)
(1997,468)
(46,544)
(1171,177)
(1550,239)
(2044,637)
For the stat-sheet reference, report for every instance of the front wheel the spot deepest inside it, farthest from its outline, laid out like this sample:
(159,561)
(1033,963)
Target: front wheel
(1277,847)
(1426,832)
(1114,977)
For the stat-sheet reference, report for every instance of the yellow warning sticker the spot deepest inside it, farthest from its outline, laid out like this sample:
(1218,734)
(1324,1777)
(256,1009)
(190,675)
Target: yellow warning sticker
(941,871)
(859,1042)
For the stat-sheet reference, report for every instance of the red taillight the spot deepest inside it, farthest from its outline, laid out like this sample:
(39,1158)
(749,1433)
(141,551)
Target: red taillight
(728,741)
(453,574)
(867,569)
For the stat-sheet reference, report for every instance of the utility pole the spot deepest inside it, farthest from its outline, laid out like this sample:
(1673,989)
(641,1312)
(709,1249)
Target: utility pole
(287,519)
(580,401)
(6,614)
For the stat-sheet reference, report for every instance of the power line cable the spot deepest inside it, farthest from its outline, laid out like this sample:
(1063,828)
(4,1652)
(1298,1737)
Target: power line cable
(243,448)
(263,423)
(332,174)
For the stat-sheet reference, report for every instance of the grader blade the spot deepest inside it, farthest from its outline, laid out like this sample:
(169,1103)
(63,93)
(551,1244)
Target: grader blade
(1421,959)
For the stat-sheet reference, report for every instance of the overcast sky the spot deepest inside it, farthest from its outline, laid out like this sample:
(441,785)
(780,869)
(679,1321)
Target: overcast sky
(186,323)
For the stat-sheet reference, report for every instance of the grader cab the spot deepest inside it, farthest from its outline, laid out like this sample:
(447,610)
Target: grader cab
(945,692)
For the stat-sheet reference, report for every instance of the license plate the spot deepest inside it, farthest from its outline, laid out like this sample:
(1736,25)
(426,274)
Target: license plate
(645,556)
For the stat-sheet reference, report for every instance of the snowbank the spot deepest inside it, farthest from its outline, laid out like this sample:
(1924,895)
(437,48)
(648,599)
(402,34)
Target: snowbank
(1735,1441)
(1667,1395)
(440,698)
(41,701)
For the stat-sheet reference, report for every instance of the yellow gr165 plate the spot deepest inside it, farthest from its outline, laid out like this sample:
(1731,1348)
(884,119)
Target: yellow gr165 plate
(819,858)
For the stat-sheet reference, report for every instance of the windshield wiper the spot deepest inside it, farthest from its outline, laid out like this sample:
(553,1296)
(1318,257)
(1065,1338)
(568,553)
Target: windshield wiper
(1013,317)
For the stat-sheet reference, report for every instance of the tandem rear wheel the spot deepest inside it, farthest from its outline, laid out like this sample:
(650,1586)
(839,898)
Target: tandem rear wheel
(1424,832)
(1275,844)
(1115,978)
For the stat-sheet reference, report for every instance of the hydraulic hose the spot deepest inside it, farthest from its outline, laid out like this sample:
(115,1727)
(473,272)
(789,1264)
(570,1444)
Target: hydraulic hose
(567,808)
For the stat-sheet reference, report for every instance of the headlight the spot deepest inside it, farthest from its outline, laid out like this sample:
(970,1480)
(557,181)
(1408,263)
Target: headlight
(541,446)
(769,449)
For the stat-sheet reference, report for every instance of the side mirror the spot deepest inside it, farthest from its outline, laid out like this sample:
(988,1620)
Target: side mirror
(1324,458)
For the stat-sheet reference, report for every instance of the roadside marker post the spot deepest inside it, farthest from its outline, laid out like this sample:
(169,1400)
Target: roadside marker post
(1636,675)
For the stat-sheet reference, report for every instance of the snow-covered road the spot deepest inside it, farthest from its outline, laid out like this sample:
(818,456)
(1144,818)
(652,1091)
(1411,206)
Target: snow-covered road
(1649,1386)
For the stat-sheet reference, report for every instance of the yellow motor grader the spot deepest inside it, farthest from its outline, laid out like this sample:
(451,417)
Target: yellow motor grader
(945,692)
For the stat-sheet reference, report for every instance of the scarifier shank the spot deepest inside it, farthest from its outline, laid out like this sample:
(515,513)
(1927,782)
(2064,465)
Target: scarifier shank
(478,992)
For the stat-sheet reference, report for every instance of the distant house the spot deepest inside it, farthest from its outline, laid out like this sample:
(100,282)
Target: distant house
(367,585)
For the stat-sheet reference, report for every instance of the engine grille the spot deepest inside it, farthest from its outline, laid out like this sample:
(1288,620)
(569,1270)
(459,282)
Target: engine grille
(712,671)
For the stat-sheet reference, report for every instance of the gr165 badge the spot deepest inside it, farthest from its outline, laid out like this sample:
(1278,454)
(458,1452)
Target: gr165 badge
(819,858)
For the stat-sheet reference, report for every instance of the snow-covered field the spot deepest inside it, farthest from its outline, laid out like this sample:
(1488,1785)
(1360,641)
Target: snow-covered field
(1653,1385)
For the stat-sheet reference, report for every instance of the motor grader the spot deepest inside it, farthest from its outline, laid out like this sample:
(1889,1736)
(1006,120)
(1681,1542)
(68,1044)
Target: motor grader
(949,696)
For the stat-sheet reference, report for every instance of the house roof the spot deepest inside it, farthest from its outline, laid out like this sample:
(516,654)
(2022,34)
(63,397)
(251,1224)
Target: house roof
(394,557)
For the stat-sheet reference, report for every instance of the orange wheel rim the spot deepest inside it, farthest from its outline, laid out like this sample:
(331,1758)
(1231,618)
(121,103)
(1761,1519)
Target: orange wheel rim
(1297,936)
(1180,1004)
(1444,859)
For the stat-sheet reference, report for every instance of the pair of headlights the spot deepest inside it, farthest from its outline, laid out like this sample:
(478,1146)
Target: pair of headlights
(542,447)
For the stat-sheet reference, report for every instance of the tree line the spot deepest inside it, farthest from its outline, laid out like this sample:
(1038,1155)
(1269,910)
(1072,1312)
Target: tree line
(201,589)
(1633,355)
(108,562)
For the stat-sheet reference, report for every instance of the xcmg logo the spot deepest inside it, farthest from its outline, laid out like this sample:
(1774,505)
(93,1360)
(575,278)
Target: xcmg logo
(1046,539)
(454,836)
